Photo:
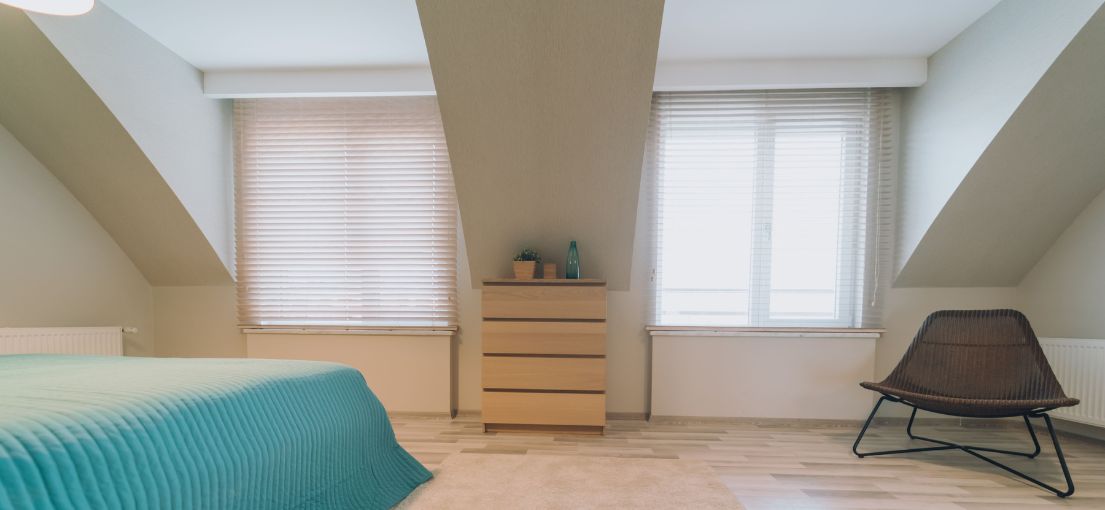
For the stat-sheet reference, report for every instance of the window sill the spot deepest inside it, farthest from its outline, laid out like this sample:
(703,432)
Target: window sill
(380,331)
(794,332)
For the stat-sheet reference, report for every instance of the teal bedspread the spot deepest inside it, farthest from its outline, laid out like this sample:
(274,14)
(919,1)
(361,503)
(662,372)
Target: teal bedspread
(115,433)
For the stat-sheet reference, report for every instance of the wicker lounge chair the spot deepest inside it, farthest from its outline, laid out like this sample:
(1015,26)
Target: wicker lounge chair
(980,364)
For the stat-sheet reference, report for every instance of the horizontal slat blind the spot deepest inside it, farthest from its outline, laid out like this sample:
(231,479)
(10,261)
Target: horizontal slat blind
(346,213)
(773,208)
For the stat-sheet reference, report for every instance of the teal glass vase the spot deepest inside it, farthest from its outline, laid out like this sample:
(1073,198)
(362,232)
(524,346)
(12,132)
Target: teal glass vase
(571,270)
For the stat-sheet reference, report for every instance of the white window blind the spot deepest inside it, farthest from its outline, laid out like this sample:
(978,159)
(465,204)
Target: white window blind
(346,213)
(772,208)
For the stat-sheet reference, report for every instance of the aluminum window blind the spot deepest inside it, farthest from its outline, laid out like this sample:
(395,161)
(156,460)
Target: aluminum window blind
(346,213)
(772,208)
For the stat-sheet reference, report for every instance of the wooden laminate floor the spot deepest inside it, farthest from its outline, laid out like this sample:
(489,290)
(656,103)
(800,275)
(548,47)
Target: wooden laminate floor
(774,465)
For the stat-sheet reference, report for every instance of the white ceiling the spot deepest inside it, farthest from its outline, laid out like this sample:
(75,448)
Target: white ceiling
(282,34)
(790,29)
(297,34)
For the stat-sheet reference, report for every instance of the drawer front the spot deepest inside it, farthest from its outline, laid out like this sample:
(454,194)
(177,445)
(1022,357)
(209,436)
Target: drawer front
(544,408)
(511,372)
(501,337)
(544,302)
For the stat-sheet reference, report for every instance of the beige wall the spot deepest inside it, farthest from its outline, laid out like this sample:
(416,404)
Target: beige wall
(407,373)
(197,322)
(545,106)
(974,85)
(1064,294)
(58,266)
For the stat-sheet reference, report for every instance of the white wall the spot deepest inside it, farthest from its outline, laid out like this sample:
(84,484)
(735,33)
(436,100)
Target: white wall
(762,376)
(58,266)
(407,373)
(798,377)
(974,84)
(1064,294)
(158,98)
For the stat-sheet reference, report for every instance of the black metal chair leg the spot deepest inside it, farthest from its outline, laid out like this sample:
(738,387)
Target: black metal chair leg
(1031,432)
(909,427)
(1062,458)
(866,424)
(855,446)
(974,450)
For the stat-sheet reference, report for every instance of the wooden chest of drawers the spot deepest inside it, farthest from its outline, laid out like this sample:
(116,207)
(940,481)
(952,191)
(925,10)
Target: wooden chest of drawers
(544,355)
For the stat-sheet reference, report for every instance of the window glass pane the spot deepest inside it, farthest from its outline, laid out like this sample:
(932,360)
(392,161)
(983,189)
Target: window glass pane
(805,225)
(706,219)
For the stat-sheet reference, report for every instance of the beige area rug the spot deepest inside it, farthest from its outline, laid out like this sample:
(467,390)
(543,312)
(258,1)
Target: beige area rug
(492,481)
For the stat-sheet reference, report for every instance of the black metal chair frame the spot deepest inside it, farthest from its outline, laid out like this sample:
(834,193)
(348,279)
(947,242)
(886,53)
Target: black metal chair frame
(974,450)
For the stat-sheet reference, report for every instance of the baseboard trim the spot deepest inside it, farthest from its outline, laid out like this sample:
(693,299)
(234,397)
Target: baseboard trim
(419,414)
(554,429)
(1063,427)
(735,420)
(476,415)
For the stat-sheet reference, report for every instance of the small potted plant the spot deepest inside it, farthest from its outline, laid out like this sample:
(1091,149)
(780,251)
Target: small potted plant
(525,264)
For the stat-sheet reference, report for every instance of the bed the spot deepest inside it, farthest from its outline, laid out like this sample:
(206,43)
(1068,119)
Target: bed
(87,432)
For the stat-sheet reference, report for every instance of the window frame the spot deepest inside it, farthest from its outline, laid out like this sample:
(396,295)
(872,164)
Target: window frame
(851,313)
(431,319)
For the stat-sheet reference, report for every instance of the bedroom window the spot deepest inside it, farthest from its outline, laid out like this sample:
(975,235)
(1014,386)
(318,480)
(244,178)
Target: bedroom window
(773,208)
(346,214)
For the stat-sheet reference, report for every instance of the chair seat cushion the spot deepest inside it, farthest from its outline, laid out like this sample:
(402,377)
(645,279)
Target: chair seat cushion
(970,407)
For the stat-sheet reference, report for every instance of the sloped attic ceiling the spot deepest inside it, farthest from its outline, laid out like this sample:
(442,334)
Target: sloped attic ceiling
(545,107)
(46,104)
(1041,169)
(158,98)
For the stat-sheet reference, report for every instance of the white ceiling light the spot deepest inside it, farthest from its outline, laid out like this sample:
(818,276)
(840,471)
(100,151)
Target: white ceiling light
(57,7)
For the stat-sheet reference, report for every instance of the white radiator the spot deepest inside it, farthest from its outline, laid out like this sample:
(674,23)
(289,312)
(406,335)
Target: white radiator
(1080,366)
(90,341)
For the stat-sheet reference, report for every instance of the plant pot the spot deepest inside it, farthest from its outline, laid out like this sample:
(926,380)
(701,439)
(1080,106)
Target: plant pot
(524,269)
